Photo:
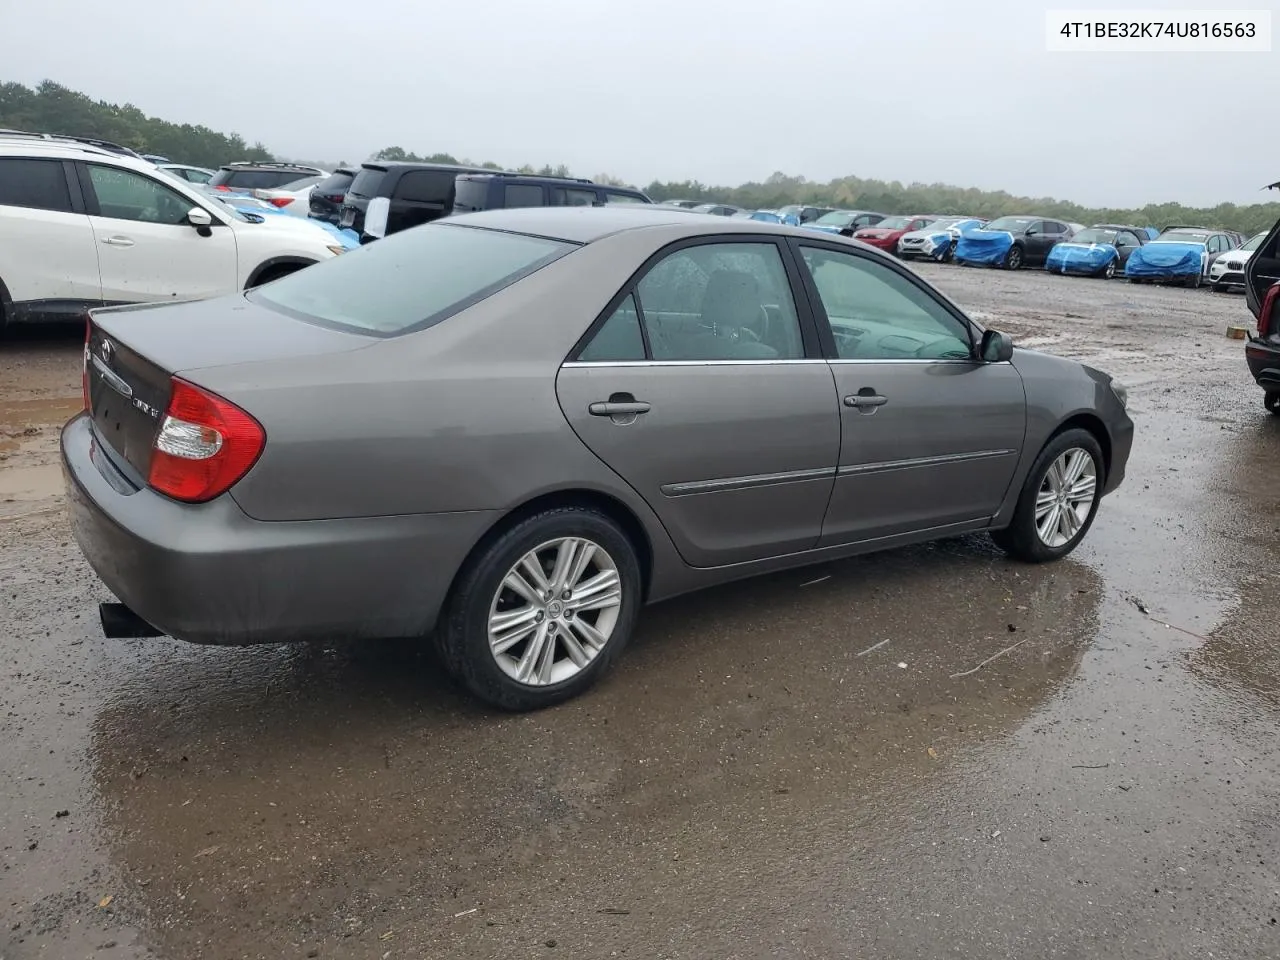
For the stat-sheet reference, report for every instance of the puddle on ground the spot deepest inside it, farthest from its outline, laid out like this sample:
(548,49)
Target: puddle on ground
(18,415)
(23,484)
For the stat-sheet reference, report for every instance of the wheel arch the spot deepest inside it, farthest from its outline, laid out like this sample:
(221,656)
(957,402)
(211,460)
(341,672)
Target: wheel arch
(273,264)
(1093,423)
(605,503)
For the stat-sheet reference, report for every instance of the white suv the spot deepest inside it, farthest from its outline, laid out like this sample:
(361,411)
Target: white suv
(82,227)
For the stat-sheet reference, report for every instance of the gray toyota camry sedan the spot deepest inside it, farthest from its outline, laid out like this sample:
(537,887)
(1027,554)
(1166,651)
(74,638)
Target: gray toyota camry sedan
(511,430)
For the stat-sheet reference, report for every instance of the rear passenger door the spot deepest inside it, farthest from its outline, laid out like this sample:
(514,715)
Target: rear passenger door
(703,389)
(48,260)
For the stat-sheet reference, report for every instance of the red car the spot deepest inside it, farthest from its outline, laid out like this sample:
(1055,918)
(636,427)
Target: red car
(889,231)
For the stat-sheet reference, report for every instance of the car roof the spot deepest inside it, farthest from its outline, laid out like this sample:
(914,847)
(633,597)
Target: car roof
(268,165)
(588,224)
(1117,226)
(535,177)
(64,149)
(387,165)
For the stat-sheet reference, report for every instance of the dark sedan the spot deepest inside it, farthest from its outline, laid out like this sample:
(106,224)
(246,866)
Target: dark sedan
(510,430)
(1262,292)
(1012,242)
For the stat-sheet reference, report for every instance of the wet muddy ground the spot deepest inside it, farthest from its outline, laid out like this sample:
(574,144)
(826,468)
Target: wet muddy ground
(824,763)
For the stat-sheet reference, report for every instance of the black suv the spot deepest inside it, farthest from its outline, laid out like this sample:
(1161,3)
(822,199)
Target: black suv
(416,193)
(250,175)
(327,196)
(1262,291)
(494,191)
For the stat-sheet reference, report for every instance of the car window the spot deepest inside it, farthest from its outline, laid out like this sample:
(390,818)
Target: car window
(878,314)
(522,195)
(426,186)
(1214,245)
(367,182)
(125,195)
(422,276)
(569,197)
(253,179)
(1127,238)
(196,176)
(720,301)
(611,197)
(300,184)
(37,184)
(619,338)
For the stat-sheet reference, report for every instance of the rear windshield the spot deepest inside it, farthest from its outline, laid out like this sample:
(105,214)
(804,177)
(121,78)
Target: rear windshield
(409,280)
(366,182)
(336,183)
(254,179)
(1185,236)
(470,195)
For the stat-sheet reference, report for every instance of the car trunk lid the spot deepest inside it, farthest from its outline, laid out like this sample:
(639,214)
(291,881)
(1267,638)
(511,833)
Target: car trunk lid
(132,354)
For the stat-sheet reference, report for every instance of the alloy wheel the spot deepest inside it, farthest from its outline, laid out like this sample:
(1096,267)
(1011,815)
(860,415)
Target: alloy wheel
(1111,269)
(1066,497)
(1015,259)
(555,611)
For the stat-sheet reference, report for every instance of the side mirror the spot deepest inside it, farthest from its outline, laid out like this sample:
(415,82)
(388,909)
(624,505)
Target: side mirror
(201,219)
(996,347)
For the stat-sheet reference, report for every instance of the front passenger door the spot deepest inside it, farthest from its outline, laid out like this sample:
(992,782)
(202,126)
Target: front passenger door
(147,250)
(930,436)
(699,388)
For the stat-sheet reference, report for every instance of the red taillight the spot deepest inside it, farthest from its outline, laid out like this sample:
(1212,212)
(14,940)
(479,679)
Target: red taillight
(1267,314)
(335,197)
(204,446)
(223,187)
(281,201)
(84,366)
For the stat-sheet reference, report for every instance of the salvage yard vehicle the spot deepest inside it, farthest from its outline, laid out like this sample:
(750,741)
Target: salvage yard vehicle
(187,172)
(81,227)
(799,214)
(474,192)
(886,233)
(1179,255)
(619,356)
(1262,293)
(245,176)
(1227,271)
(937,240)
(1098,251)
(1011,242)
(325,202)
(408,194)
(719,209)
(845,222)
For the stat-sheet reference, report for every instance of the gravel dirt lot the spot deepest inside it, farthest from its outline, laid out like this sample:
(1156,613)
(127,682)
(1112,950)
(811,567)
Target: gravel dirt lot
(813,764)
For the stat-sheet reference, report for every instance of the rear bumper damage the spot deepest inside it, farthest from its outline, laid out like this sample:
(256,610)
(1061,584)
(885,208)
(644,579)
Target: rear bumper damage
(208,573)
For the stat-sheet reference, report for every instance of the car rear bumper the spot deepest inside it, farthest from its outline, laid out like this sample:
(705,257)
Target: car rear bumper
(208,573)
(1263,357)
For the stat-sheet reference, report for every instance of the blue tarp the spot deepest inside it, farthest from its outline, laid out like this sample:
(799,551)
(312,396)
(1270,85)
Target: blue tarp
(1080,257)
(937,242)
(984,246)
(1166,258)
(1152,232)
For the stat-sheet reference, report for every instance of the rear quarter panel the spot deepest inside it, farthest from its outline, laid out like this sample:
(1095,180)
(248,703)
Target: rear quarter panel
(461,416)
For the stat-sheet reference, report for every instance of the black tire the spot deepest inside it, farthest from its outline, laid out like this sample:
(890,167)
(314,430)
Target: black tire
(1109,271)
(1020,539)
(949,254)
(1194,282)
(1271,400)
(273,273)
(462,635)
(1014,259)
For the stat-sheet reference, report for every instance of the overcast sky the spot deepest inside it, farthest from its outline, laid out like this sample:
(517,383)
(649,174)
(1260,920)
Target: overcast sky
(962,92)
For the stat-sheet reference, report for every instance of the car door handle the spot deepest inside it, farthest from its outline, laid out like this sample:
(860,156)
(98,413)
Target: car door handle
(117,241)
(618,408)
(861,400)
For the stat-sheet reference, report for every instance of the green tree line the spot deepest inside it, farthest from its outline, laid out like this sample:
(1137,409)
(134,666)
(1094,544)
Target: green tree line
(53,108)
